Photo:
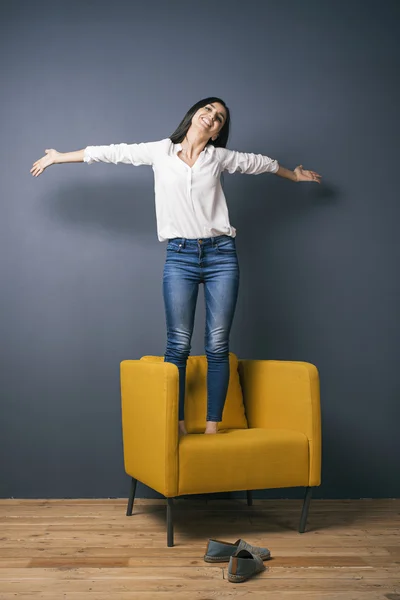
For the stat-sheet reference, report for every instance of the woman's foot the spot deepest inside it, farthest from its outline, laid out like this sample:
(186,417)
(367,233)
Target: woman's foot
(211,427)
(182,428)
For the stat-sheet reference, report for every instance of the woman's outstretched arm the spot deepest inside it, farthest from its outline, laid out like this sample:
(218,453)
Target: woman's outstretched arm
(131,154)
(52,157)
(255,164)
(299,174)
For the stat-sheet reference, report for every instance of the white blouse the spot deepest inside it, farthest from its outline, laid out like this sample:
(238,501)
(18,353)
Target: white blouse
(190,201)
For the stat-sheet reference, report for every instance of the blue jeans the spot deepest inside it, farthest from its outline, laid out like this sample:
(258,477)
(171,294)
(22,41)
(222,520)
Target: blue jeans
(213,262)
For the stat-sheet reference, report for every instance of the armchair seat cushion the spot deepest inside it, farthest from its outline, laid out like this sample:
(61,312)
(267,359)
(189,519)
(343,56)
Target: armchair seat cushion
(242,459)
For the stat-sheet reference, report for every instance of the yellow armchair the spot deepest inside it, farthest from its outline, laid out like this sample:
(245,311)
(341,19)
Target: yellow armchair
(270,435)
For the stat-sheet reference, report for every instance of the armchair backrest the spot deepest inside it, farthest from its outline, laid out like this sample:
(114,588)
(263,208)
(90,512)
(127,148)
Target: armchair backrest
(196,395)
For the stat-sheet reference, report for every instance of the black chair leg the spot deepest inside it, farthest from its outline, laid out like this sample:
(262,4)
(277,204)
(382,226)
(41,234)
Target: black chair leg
(170,525)
(249,498)
(131,499)
(304,512)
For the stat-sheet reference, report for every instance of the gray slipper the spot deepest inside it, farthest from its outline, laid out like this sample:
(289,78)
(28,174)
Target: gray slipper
(243,564)
(218,551)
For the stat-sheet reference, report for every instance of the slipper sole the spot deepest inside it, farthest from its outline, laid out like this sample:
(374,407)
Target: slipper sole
(214,559)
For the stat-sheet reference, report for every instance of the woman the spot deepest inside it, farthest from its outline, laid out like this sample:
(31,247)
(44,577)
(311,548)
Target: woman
(192,217)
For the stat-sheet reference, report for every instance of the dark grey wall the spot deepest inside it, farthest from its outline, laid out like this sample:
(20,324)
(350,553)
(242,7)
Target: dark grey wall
(81,267)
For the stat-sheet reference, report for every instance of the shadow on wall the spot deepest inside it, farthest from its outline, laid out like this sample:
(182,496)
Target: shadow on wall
(126,210)
(272,222)
(257,207)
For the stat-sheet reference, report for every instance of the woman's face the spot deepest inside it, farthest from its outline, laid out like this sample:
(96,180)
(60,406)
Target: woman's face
(211,118)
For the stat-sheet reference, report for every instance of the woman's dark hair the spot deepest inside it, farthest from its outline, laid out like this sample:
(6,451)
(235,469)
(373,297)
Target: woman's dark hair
(182,129)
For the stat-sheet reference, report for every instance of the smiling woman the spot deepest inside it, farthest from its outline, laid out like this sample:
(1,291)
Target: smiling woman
(192,216)
(210,113)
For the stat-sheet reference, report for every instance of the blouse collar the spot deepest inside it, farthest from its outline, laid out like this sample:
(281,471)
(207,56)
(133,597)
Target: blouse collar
(178,147)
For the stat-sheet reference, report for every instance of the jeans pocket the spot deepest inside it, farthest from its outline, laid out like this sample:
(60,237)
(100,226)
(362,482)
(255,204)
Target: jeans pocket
(174,247)
(226,246)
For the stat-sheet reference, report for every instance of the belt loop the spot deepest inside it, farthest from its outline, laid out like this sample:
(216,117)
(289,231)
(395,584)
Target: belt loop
(183,242)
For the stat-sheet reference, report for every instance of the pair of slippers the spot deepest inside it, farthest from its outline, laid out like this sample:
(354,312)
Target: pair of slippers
(244,560)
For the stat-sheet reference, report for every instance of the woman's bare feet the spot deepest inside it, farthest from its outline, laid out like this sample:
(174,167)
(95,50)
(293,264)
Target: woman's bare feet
(182,428)
(211,427)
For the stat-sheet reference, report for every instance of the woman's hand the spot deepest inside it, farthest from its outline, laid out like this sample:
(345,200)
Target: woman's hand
(303,175)
(40,165)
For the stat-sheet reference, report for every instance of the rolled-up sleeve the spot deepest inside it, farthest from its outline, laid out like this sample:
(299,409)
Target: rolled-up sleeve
(129,154)
(243,162)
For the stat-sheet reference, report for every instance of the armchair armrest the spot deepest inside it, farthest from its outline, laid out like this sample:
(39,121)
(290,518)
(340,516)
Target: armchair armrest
(149,399)
(285,395)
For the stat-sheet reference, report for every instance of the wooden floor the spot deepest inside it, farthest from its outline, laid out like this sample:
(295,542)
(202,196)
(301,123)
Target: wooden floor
(89,549)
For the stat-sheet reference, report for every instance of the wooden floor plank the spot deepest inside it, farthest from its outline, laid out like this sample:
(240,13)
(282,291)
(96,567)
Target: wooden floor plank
(184,561)
(182,542)
(228,592)
(282,549)
(186,583)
